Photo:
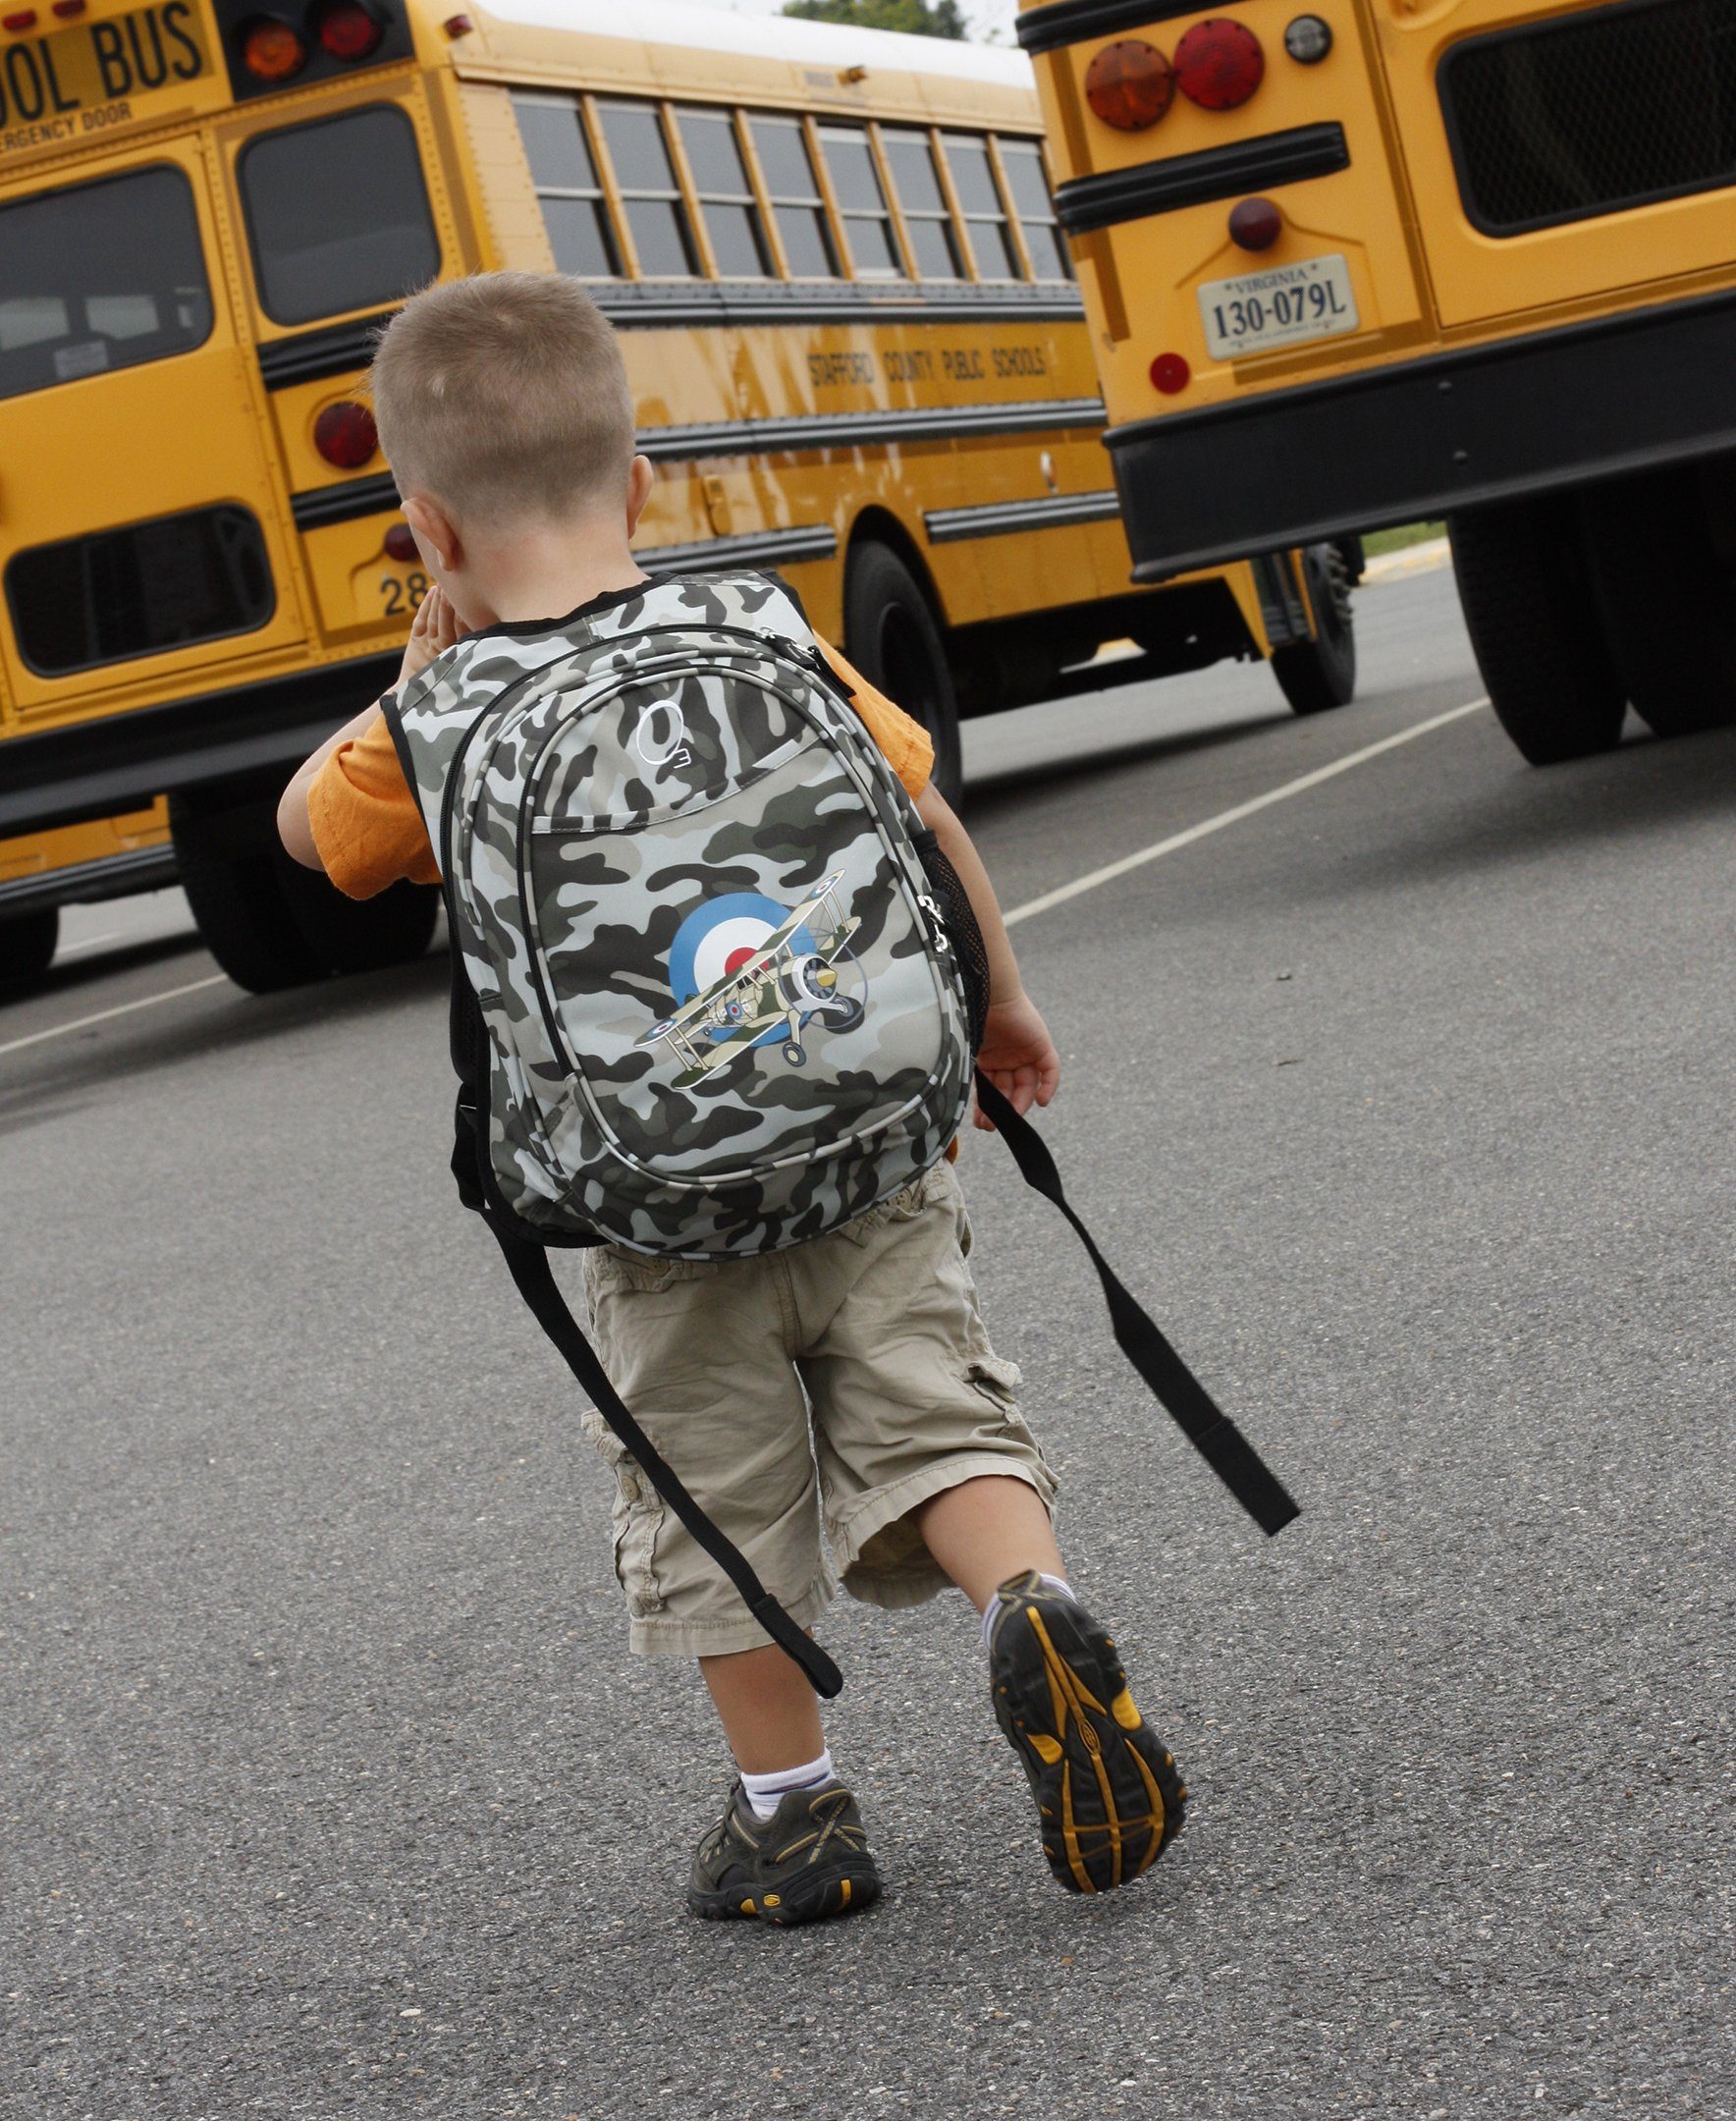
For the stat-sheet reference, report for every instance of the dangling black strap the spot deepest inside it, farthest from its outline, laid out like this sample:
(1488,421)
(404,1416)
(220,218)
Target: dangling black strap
(528,1264)
(1202,1421)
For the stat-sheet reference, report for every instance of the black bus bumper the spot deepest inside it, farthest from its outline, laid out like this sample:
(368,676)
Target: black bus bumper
(243,738)
(1422,438)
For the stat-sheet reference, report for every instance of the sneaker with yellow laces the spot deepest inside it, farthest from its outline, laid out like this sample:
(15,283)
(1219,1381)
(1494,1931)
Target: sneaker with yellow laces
(1108,1796)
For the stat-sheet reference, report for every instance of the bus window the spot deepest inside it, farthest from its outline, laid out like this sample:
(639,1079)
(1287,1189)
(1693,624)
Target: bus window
(338,215)
(650,196)
(910,162)
(726,196)
(98,277)
(796,207)
(573,209)
(861,203)
(1022,161)
(974,179)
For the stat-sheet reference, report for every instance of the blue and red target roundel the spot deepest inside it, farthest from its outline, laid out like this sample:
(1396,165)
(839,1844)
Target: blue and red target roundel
(721,936)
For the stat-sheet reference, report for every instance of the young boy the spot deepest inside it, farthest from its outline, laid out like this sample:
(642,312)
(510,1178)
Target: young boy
(845,1382)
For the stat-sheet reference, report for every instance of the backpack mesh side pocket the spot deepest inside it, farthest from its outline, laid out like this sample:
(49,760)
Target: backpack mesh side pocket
(958,917)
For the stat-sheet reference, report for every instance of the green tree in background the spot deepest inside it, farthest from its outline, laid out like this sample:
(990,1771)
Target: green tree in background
(920,18)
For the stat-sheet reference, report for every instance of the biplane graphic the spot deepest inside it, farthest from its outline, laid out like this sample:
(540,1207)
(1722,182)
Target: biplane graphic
(751,972)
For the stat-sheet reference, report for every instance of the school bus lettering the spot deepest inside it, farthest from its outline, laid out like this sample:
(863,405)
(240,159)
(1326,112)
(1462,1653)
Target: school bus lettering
(911,367)
(826,369)
(963,365)
(88,76)
(1020,361)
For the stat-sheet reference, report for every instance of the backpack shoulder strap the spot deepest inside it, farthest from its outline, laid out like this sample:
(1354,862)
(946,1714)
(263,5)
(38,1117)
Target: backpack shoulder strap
(528,1264)
(1173,1384)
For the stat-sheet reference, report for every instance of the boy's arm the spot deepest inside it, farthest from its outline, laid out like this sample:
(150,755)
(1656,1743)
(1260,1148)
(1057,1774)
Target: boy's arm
(434,629)
(1017,1054)
(294,827)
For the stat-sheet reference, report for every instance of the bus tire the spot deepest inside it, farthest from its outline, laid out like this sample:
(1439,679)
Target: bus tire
(231,870)
(1318,673)
(365,935)
(1666,596)
(28,943)
(1533,619)
(893,637)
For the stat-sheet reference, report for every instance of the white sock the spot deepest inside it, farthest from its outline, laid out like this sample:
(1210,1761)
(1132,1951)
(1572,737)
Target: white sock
(1057,1584)
(765,1792)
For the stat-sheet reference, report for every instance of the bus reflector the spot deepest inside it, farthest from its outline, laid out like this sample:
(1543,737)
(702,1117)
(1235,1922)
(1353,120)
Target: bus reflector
(1129,85)
(1308,39)
(344,435)
(1219,64)
(400,543)
(16,23)
(1171,373)
(1256,224)
(68,10)
(348,29)
(271,51)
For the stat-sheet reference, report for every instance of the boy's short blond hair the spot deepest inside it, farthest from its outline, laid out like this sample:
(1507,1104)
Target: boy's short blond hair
(505,394)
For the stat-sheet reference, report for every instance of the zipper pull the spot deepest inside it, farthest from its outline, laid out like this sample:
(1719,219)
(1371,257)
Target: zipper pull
(942,941)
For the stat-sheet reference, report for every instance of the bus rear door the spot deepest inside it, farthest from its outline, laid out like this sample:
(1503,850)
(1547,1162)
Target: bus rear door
(140,537)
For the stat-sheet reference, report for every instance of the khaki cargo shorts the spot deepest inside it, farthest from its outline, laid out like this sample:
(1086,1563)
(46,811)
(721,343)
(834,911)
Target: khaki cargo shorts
(841,1382)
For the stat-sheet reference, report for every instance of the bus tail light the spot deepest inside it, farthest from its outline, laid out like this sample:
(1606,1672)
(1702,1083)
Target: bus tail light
(271,51)
(1129,85)
(1219,64)
(1171,373)
(1255,225)
(344,435)
(348,29)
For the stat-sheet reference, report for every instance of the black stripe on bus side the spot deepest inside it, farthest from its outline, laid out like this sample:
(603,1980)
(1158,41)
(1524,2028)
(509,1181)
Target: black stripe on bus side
(341,503)
(1075,22)
(644,305)
(1084,203)
(747,548)
(310,357)
(996,518)
(853,430)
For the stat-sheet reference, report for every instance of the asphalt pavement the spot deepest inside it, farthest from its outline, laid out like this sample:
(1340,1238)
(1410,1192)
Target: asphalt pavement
(329,1788)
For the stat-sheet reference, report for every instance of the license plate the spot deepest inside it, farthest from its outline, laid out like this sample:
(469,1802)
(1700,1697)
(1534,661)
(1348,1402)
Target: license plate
(1280,307)
(84,80)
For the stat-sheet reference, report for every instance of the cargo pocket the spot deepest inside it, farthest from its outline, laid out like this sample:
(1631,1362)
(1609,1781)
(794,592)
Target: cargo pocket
(637,1518)
(997,1382)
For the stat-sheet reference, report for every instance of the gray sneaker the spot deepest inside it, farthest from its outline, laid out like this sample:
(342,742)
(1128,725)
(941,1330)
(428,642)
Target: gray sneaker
(809,1859)
(1109,1797)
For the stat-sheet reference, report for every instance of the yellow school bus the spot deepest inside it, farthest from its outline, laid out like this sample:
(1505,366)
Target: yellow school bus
(73,865)
(1359,262)
(852,327)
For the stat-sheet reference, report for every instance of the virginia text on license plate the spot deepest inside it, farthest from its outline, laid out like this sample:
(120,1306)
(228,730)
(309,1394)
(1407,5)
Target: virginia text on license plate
(1278,306)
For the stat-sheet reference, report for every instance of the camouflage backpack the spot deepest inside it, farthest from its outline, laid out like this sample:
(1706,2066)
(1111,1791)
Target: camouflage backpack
(723,1013)
(715,991)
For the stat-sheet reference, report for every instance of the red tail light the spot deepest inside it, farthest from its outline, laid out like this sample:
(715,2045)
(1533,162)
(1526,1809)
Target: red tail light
(344,435)
(1129,85)
(348,29)
(271,51)
(1219,64)
(1171,373)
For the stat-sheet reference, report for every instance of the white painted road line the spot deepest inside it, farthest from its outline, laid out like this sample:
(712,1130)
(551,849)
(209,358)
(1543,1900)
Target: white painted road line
(1108,874)
(122,1008)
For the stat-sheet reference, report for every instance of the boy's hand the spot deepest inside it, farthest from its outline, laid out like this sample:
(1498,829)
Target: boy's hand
(1018,1056)
(434,629)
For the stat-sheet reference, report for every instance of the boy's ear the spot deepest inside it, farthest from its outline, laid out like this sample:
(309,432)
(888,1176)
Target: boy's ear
(436,530)
(640,482)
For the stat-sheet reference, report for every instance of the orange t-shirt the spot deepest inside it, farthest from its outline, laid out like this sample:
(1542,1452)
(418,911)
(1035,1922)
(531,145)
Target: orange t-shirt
(368,829)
